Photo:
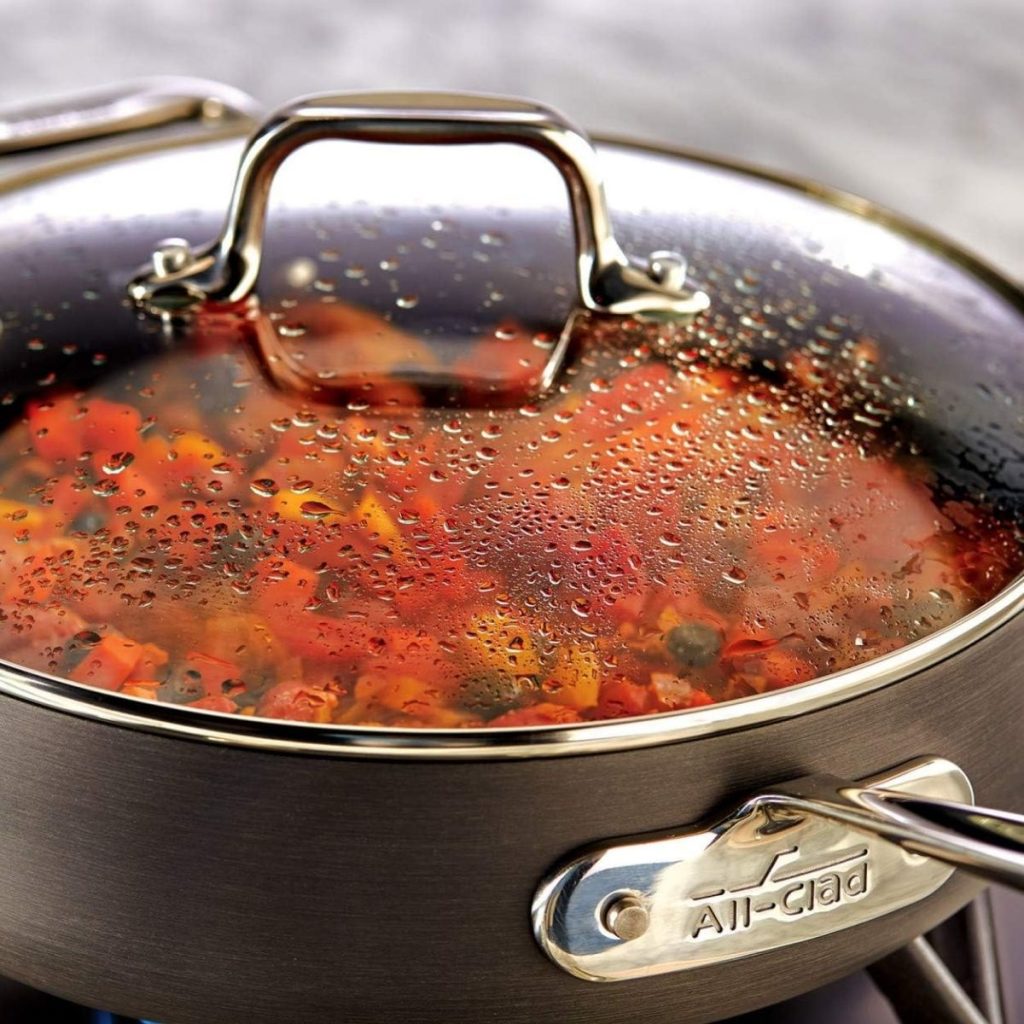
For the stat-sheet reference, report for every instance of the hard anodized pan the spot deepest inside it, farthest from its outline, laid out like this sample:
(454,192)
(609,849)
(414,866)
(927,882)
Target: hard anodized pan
(189,867)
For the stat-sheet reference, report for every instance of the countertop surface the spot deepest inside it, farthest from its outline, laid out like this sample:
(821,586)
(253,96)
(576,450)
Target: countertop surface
(918,105)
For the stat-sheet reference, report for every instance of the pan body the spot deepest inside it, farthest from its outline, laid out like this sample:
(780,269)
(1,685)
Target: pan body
(186,881)
(193,881)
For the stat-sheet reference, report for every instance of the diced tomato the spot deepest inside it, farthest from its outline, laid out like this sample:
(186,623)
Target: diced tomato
(795,560)
(782,668)
(56,429)
(345,642)
(213,673)
(299,702)
(110,426)
(699,698)
(537,714)
(215,702)
(621,697)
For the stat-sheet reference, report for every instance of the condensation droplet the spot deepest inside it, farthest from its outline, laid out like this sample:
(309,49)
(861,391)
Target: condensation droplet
(264,487)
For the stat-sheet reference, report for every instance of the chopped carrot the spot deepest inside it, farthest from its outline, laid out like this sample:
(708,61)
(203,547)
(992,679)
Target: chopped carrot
(109,663)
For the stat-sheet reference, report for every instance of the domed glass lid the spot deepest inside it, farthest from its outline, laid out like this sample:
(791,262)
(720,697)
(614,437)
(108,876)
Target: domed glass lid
(427,468)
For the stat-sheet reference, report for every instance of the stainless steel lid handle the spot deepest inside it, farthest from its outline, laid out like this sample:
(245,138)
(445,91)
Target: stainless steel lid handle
(226,269)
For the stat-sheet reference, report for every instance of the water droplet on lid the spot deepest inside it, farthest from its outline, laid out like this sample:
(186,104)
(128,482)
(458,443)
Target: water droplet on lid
(87,638)
(264,487)
(735,575)
(117,463)
(301,272)
(407,301)
(105,488)
(316,510)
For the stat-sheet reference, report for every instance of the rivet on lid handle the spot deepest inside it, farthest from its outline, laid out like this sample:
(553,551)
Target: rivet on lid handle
(609,282)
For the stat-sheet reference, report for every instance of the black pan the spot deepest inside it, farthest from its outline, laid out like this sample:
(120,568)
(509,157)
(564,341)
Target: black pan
(192,868)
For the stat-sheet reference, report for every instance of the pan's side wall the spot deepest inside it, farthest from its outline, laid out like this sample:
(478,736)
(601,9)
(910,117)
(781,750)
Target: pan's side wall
(199,884)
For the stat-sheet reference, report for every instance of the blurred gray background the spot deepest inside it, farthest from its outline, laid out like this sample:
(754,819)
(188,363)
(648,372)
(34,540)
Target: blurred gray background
(918,104)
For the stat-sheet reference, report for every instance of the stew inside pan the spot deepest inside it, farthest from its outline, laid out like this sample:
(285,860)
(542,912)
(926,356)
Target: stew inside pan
(668,528)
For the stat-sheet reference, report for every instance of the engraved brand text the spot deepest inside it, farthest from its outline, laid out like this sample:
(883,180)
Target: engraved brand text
(787,890)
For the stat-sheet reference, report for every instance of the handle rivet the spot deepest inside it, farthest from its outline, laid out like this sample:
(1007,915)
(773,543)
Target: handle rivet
(627,917)
(667,269)
(171,256)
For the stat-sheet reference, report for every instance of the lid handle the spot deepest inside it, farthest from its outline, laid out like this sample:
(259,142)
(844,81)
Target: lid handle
(608,281)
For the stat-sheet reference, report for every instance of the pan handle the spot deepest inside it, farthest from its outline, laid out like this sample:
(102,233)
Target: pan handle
(985,842)
(793,863)
(108,111)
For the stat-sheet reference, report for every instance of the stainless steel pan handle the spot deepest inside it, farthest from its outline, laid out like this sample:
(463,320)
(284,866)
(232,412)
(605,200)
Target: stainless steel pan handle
(131,107)
(985,842)
(793,863)
(226,269)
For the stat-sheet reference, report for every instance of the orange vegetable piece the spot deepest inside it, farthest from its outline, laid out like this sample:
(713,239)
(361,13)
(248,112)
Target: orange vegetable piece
(298,702)
(110,663)
(538,714)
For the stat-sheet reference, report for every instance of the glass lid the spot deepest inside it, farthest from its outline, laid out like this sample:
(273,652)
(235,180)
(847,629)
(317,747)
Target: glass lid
(424,468)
